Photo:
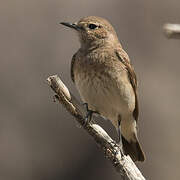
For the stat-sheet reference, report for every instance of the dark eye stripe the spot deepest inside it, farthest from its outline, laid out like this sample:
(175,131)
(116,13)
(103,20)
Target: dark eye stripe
(92,26)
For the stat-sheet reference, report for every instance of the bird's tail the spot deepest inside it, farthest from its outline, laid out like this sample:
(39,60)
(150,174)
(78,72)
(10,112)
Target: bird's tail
(133,149)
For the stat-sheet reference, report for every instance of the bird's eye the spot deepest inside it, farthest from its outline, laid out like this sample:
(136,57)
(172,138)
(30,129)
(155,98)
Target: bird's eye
(92,26)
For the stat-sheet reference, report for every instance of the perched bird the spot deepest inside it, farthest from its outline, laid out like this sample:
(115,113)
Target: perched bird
(106,81)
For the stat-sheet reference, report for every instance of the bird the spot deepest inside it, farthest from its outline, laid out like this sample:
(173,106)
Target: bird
(106,80)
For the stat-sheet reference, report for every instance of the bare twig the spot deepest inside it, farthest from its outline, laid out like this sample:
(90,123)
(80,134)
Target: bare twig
(123,164)
(172,31)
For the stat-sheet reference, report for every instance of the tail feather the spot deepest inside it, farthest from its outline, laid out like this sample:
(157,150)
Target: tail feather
(133,149)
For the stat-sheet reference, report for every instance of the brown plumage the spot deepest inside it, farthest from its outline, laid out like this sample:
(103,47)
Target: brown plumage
(106,80)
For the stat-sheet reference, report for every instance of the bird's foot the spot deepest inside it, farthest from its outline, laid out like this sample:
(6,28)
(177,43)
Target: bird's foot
(120,136)
(117,148)
(89,114)
(121,148)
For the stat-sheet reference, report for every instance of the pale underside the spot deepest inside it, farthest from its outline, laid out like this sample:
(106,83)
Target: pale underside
(109,93)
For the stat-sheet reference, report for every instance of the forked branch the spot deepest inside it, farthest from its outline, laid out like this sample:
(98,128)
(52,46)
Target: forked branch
(123,164)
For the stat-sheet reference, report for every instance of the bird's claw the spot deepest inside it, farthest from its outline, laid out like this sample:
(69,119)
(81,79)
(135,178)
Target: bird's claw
(118,148)
(89,114)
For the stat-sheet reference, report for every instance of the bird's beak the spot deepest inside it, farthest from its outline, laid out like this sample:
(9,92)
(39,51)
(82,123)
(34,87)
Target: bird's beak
(71,25)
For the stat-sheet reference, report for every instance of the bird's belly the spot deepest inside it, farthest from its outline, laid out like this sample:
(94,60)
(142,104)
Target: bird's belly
(104,96)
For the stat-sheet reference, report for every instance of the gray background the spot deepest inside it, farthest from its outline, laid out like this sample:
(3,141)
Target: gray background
(39,140)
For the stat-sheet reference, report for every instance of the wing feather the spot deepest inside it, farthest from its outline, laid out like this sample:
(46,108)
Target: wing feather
(123,57)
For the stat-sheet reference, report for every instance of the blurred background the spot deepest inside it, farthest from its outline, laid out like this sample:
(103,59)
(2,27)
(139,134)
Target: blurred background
(39,140)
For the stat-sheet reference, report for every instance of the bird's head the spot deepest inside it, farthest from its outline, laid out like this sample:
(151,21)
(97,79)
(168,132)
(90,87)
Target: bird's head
(93,31)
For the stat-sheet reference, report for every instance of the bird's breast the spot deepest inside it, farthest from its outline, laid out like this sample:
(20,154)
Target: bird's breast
(104,89)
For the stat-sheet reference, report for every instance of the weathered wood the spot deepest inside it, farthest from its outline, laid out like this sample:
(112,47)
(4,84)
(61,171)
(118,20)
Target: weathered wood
(123,164)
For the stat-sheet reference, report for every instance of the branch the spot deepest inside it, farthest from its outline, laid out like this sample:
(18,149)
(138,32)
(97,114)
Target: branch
(172,31)
(123,164)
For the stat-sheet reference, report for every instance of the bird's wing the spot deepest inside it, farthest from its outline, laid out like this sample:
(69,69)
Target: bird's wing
(123,57)
(72,67)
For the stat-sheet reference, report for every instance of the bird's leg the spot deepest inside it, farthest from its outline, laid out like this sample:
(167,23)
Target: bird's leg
(89,114)
(119,134)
